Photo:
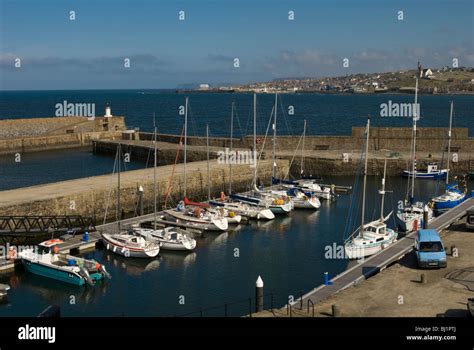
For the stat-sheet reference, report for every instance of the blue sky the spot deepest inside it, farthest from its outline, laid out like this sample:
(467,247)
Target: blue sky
(164,52)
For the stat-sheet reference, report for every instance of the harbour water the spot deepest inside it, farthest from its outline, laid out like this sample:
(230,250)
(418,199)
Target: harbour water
(288,252)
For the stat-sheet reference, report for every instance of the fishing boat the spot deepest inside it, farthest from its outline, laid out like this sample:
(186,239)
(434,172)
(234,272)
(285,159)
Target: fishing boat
(375,236)
(431,172)
(45,260)
(410,217)
(453,195)
(130,246)
(169,238)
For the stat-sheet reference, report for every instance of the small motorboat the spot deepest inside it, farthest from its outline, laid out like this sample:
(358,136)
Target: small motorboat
(45,260)
(300,199)
(451,198)
(232,217)
(169,238)
(130,246)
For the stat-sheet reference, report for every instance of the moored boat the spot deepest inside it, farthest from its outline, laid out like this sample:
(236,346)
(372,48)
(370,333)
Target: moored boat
(169,238)
(45,260)
(130,246)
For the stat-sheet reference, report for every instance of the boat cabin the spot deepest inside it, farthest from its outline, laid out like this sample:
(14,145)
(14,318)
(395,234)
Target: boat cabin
(47,247)
(375,231)
(432,168)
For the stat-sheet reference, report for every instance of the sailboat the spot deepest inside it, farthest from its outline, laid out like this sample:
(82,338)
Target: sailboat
(374,236)
(410,217)
(124,243)
(237,207)
(276,203)
(453,194)
(169,238)
(308,185)
(191,213)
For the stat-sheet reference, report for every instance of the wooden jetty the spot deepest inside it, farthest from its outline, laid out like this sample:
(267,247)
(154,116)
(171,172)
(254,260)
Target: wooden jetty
(381,260)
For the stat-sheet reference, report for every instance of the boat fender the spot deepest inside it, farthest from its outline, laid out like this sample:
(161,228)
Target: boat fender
(222,196)
(231,214)
(55,249)
(12,254)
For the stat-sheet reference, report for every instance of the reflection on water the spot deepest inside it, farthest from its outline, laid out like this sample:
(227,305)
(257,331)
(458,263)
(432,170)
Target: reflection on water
(133,266)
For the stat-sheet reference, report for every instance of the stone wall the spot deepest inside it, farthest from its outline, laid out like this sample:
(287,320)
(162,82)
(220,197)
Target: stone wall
(40,134)
(395,139)
(91,195)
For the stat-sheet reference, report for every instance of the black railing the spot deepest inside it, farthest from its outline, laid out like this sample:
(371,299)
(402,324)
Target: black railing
(32,225)
(312,305)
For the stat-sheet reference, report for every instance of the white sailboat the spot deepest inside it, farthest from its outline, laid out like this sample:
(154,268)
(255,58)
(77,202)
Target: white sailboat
(169,238)
(374,236)
(123,243)
(263,199)
(237,207)
(192,214)
(410,217)
(453,194)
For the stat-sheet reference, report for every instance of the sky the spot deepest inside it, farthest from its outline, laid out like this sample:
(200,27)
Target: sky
(165,52)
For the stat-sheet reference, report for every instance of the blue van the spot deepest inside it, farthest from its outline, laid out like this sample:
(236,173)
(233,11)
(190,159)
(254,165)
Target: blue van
(429,249)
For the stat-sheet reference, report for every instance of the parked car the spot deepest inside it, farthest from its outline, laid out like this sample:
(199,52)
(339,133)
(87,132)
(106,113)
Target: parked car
(429,249)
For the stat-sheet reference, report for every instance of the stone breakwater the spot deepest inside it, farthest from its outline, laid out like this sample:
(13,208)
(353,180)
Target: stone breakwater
(41,134)
(97,196)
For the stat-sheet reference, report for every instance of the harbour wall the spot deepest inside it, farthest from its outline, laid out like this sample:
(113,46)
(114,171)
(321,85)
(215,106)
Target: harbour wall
(42,134)
(389,138)
(93,196)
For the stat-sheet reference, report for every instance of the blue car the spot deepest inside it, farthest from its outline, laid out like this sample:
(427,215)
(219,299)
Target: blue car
(429,249)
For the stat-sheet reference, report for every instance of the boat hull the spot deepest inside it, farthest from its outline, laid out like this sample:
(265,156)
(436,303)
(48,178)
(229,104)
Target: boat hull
(424,175)
(57,273)
(119,249)
(359,252)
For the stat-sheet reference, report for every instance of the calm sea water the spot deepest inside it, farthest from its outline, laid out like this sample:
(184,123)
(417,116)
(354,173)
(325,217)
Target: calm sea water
(326,114)
(289,254)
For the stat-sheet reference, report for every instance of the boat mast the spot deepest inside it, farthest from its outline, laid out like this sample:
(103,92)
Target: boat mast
(154,173)
(302,148)
(255,139)
(365,176)
(449,140)
(274,138)
(231,146)
(415,117)
(208,169)
(382,192)
(119,208)
(185,142)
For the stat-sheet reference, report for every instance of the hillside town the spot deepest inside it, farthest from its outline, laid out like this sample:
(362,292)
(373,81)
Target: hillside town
(445,80)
